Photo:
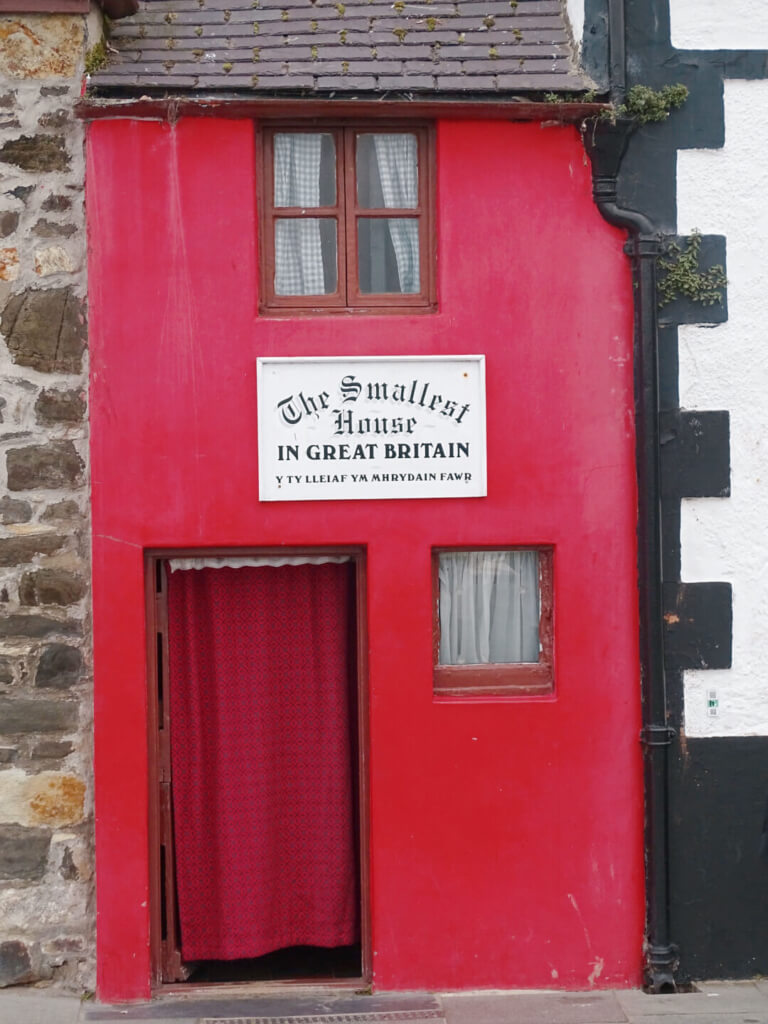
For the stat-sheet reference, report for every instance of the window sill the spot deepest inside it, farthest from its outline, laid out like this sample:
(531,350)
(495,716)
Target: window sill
(285,312)
(524,680)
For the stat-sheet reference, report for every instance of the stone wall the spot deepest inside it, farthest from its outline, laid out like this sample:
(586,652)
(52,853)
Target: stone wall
(46,857)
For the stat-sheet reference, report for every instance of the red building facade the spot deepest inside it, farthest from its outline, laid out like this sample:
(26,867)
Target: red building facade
(500,833)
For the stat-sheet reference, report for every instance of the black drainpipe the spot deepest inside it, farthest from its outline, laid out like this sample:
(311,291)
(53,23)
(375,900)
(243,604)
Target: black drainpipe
(606,143)
(617,43)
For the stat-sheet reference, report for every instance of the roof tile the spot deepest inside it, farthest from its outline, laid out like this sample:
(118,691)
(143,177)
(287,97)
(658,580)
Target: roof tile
(422,46)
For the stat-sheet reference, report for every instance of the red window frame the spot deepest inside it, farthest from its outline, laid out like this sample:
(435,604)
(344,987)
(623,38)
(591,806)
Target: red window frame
(348,297)
(500,679)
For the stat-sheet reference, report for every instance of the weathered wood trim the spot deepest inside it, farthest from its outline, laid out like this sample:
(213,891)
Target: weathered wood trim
(92,108)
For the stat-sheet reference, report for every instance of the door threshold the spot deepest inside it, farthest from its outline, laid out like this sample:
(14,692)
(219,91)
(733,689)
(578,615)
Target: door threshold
(173,990)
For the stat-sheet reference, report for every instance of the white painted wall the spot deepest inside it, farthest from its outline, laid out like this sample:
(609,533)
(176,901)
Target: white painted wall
(726,367)
(719,24)
(575,9)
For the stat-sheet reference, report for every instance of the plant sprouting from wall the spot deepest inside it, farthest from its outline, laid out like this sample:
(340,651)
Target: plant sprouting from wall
(96,58)
(570,97)
(681,276)
(647,106)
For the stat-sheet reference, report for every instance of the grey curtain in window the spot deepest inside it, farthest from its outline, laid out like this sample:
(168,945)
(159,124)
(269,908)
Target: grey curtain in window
(489,607)
(298,247)
(397,158)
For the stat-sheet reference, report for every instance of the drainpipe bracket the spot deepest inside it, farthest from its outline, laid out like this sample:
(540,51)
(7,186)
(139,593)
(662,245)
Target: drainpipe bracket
(643,245)
(657,735)
(661,964)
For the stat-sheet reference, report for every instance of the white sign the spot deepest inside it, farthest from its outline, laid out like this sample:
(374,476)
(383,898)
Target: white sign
(371,427)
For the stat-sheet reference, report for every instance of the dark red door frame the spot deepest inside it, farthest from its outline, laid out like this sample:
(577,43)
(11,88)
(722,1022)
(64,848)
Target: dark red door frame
(167,966)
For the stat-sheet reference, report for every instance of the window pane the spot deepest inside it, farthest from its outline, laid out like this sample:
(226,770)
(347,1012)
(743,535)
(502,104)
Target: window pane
(388,255)
(305,169)
(305,256)
(387,171)
(489,607)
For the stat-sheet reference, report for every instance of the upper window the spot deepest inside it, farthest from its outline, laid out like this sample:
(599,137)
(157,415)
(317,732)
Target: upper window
(493,621)
(346,219)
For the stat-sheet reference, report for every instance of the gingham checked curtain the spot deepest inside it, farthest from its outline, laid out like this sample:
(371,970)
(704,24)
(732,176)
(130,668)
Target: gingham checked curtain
(397,160)
(298,249)
(489,607)
(262,692)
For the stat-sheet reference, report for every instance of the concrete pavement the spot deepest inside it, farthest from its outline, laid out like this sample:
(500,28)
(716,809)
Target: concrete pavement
(713,1003)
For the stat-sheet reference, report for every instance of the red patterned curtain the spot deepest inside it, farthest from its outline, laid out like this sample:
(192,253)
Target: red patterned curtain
(263,751)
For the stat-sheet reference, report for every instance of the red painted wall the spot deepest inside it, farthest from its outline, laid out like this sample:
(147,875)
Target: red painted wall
(506,835)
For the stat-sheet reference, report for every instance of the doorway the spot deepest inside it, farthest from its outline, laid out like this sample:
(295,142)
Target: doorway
(257,723)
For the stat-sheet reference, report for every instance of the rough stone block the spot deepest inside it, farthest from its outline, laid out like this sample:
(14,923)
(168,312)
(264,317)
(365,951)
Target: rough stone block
(23,852)
(41,46)
(64,944)
(8,755)
(48,798)
(76,859)
(9,264)
(9,221)
(36,153)
(60,407)
(60,510)
(49,750)
(18,550)
(6,670)
(55,119)
(56,464)
(45,329)
(51,229)
(56,204)
(37,626)
(54,260)
(51,586)
(68,868)
(14,510)
(59,667)
(15,964)
(25,716)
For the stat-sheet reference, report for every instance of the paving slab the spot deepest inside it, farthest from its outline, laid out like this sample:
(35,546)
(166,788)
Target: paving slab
(711,998)
(371,1017)
(533,1008)
(706,1017)
(185,1009)
(34,1007)
(714,1003)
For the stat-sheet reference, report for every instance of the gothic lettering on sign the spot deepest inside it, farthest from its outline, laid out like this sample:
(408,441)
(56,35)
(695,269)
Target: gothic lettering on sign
(389,415)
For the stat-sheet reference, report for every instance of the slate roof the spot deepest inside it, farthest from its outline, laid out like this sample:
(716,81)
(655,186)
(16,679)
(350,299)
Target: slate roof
(357,47)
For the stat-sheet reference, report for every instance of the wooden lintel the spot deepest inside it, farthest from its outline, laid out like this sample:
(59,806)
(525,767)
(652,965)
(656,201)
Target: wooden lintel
(308,109)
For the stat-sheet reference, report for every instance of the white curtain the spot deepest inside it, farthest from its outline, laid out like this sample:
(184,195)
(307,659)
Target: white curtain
(489,607)
(298,248)
(397,159)
(252,561)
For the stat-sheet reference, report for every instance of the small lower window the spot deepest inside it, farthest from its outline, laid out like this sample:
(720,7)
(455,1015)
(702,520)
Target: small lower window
(493,621)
